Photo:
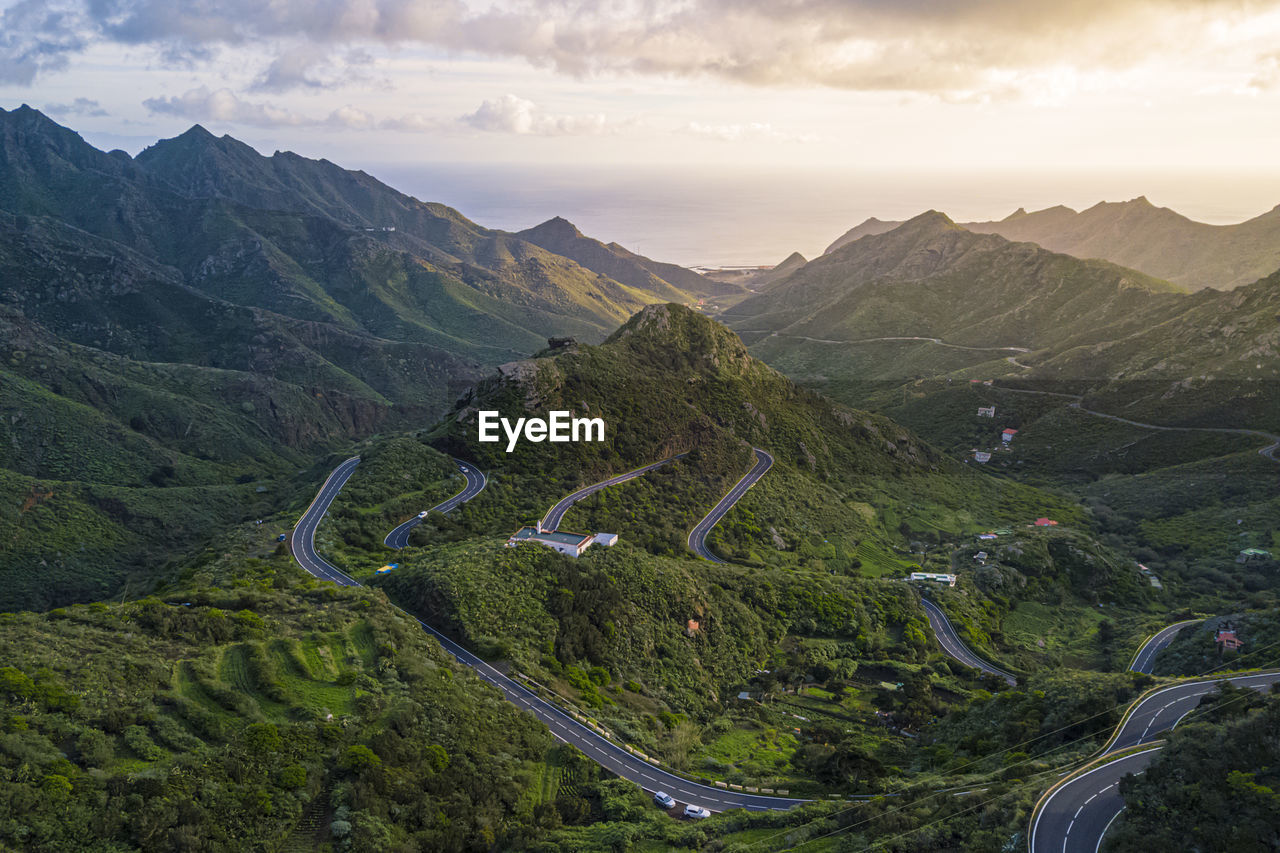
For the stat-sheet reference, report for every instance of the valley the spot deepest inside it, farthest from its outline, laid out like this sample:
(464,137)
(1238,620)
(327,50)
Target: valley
(925,543)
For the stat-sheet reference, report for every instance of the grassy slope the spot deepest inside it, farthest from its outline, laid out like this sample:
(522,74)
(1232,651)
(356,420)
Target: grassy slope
(117,706)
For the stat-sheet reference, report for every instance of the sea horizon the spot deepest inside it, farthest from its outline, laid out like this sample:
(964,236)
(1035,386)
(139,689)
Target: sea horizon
(739,217)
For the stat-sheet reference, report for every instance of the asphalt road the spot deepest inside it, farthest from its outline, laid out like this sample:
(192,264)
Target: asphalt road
(598,748)
(954,646)
(476,481)
(1075,816)
(1269,451)
(1162,710)
(1146,655)
(551,521)
(698,536)
(303,539)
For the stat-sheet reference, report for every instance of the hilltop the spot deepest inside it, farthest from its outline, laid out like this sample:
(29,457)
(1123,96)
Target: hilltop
(1156,240)
(656,642)
(667,280)
(930,277)
(930,298)
(671,381)
(197,324)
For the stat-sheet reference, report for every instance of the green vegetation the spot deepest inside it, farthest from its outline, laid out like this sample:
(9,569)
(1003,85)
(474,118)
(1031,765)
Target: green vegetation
(268,709)
(1137,234)
(1214,786)
(202,318)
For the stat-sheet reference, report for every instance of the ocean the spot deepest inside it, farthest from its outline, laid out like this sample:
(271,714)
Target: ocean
(754,217)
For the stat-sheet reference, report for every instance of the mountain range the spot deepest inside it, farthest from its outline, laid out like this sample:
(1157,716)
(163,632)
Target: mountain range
(1137,234)
(930,297)
(207,318)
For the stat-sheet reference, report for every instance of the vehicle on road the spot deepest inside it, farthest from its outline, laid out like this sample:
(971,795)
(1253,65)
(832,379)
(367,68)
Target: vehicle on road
(422,514)
(696,812)
(664,800)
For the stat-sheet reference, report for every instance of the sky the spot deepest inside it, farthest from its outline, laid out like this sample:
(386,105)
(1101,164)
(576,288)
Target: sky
(998,88)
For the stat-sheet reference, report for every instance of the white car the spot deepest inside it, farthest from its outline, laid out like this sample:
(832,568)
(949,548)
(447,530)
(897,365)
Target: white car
(664,800)
(422,514)
(696,812)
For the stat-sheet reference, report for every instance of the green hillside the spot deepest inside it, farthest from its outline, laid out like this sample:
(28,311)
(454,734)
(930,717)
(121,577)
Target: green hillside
(1139,235)
(931,278)
(177,326)
(252,708)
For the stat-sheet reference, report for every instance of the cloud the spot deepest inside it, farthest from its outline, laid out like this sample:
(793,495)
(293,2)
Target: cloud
(414,123)
(749,131)
(1267,75)
(512,114)
(223,105)
(964,48)
(78,107)
(37,38)
(310,66)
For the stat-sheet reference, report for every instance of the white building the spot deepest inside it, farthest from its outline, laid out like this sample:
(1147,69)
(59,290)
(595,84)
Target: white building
(935,577)
(572,544)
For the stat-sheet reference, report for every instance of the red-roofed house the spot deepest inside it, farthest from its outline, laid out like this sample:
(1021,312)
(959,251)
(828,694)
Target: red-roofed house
(1046,522)
(1227,640)
(1007,435)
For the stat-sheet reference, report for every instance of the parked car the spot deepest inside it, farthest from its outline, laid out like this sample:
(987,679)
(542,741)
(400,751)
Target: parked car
(281,537)
(422,514)
(696,812)
(664,800)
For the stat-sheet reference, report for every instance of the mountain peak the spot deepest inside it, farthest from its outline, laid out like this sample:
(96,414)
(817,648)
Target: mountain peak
(928,222)
(30,118)
(196,131)
(668,327)
(557,227)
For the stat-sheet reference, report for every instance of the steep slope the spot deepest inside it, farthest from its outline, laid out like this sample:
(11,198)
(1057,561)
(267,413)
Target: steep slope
(790,264)
(1137,234)
(1156,240)
(273,709)
(869,227)
(310,240)
(1216,363)
(932,278)
(671,381)
(668,281)
(183,332)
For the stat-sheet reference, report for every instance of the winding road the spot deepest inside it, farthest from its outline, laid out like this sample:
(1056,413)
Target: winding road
(937,341)
(698,536)
(1146,656)
(1072,818)
(1076,814)
(551,521)
(563,726)
(1078,403)
(955,647)
(476,481)
(302,542)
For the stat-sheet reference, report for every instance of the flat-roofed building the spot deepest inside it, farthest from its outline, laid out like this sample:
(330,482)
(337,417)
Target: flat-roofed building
(934,577)
(572,544)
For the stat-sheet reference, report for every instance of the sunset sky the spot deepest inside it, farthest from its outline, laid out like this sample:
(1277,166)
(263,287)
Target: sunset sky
(939,85)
